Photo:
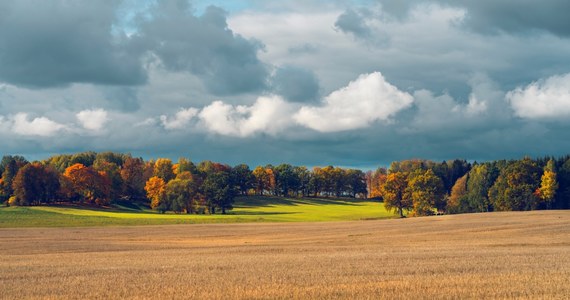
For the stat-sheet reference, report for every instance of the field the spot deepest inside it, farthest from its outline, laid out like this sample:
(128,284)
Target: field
(493,255)
(250,209)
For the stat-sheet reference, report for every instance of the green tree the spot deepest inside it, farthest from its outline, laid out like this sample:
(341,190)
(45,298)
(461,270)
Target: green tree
(219,191)
(515,187)
(481,179)
(243,178)
(181,194)
(427,193)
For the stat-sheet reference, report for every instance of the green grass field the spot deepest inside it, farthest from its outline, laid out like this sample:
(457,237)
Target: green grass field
(247,209)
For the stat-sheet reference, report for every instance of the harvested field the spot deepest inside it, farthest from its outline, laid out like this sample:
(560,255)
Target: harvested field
(494,255)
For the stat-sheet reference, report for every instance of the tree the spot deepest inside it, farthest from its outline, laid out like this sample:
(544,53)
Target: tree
(264,180)
(180,194)
(163,168)
(156,192)
(304,176)
(36,184)
(548,185)
(481,179)
(375,181)
(427,193)
(133,177)
(394,192)
(112,171)
(91,186)
(286,180)
(457,202)
(9,167)
(355,182)
(243,178)
(515,187)
(219,191)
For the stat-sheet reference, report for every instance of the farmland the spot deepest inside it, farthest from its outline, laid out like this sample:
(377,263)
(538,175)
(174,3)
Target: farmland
(492,255)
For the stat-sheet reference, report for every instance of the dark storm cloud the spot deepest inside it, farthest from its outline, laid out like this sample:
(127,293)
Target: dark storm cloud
(226,62)
(353,22)
(55,43)
(124,99)
(491,16)
(296,84)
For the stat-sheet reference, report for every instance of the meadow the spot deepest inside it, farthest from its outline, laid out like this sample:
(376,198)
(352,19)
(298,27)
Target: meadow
(489,255)
(247,209)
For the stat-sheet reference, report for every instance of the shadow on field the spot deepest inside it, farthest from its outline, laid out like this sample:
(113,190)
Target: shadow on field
(264,201)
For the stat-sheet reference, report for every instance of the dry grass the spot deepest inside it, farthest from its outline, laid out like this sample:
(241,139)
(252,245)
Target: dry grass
(498,255)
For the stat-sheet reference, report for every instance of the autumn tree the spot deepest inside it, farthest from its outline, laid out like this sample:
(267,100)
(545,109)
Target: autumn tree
(91,186)
(9,167)
(156,192)
(133,175)
(36,184)
(163,168)
(548,185)
(113,172)
(394,193)
(264,179)
(375,181)
(457,201)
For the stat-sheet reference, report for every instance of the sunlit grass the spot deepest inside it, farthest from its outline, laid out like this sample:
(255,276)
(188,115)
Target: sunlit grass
(248,209)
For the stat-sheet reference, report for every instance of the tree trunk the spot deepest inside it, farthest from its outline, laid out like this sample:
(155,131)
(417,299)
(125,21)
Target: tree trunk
(400,210)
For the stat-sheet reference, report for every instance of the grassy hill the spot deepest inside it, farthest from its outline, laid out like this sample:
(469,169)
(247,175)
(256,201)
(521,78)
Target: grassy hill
(246,209)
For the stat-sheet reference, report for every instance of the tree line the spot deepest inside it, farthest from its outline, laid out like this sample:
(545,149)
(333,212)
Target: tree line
(409,187)
(182,186)
(421,187)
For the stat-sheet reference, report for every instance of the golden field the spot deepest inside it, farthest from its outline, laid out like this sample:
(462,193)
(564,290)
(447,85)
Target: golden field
(493,255)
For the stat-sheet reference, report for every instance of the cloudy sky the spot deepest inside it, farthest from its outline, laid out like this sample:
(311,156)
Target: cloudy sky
(314,82)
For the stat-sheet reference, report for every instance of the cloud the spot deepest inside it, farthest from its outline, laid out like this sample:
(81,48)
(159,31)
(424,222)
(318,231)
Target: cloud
(40,126)
(226,62)
(353,22)
(181,119)
(368,99)
(270,115)
(547,98)
(56,43)
(93,120)
(490,16)
(296,84)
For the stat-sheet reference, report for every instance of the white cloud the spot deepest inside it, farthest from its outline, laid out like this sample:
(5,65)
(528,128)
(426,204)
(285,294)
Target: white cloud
(547,98)
(92,119)
(269,115)
(368,99)
(181,119)
(40,126)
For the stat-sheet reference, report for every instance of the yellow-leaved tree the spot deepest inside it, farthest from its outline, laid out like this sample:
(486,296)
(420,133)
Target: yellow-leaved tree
(156,191)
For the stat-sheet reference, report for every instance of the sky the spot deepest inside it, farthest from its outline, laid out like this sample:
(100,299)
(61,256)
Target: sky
(312,82)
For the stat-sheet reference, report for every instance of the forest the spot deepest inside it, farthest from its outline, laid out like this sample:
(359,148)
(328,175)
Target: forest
(409,188)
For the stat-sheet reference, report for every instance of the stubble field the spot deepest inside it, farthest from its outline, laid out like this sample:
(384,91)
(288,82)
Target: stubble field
(495,255)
